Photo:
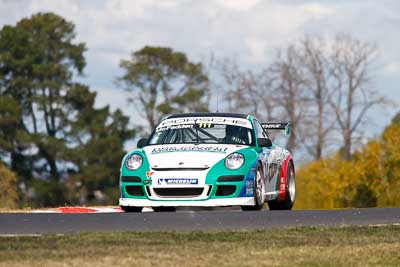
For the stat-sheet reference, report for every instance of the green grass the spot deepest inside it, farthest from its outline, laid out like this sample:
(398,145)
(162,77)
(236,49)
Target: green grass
(305,246)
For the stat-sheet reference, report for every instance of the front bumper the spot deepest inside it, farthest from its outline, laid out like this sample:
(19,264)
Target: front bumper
(217,202)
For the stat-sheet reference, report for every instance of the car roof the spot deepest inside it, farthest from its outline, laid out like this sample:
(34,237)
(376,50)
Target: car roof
(208,114)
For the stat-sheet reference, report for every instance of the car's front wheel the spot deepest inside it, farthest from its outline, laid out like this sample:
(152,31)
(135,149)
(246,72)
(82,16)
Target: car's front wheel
(259,191)
(288,202)
(131,209)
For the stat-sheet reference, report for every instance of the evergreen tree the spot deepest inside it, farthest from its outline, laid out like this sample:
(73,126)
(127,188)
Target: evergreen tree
(37,61)
(97,136)
(56,140)
(163,81)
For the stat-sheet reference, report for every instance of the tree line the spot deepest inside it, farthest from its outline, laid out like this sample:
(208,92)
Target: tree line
(60,146)
(371,178)
(57,148)
(324,87)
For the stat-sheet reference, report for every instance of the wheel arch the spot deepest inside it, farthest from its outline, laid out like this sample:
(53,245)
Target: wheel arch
(292,162)
(263,168)
(283,177)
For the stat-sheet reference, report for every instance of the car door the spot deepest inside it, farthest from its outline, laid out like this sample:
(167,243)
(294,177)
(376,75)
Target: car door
(260,133)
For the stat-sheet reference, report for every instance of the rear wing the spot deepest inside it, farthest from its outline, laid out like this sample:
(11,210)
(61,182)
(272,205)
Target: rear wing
(285,126)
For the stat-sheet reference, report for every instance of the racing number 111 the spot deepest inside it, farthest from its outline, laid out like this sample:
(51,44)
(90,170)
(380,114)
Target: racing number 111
(205,125)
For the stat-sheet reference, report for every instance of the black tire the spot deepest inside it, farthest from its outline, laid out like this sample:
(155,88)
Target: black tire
(164,209)
(131,209)
(258,199)
(288,202)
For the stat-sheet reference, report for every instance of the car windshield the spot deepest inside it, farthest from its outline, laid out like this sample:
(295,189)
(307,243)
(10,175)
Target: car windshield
(202,133)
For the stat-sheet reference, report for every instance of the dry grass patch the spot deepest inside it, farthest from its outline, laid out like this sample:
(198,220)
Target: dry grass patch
(305,246)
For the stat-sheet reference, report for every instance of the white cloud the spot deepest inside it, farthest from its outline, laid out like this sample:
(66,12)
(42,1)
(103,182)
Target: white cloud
(112,29)
(249,29)
(257,48)
(239,5)
(392,68)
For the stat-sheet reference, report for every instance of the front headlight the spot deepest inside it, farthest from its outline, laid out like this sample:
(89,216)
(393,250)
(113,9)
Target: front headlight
(133,162)
(234,161)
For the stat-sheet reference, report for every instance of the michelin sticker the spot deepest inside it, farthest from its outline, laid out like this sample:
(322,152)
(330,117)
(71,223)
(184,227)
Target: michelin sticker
(168,181)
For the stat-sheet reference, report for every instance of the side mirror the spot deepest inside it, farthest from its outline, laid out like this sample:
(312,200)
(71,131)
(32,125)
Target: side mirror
(264,142)
(142,142)
(288,129)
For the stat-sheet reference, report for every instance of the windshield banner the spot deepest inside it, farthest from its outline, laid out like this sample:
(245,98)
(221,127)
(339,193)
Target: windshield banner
(205,121)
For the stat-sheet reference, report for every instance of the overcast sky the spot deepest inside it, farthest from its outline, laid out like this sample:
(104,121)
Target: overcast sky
(249,30)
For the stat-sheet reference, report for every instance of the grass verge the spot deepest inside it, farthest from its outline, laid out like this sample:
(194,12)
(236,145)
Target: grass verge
(304,246)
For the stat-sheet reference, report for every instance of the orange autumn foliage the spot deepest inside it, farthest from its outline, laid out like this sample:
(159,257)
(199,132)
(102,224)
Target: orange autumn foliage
(8,188)
(371,178)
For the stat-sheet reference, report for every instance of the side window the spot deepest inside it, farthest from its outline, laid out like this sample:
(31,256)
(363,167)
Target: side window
(259,130)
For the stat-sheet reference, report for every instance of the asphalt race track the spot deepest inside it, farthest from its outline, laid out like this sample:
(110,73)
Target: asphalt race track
(53,223)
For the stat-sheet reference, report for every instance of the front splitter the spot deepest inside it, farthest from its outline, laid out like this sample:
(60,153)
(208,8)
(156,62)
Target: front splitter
(218,202)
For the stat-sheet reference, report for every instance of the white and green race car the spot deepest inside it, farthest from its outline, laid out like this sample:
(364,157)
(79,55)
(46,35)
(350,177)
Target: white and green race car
(208,160)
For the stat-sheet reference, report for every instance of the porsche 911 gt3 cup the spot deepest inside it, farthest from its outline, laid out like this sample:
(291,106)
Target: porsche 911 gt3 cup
(208,160)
